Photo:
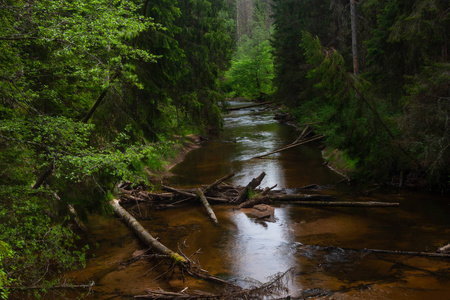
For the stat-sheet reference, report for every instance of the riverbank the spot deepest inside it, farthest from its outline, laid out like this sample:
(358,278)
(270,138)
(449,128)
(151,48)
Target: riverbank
(335,160)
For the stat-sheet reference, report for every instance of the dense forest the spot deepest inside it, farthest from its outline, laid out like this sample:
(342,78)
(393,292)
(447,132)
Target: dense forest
(96,92)
(379,86)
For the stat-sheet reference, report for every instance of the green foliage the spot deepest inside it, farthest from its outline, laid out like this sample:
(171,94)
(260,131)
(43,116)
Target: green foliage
(350,117)
(90,93)
(426,121)
(397,121)
(324,18)
(38,248)
(182,91)
(251,71)
(5,253)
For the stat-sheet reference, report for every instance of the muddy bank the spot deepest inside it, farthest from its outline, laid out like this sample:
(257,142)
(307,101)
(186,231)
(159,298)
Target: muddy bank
(188,143)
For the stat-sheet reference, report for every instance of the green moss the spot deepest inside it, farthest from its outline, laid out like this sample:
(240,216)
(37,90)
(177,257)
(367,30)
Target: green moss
(340,161)
(177,259)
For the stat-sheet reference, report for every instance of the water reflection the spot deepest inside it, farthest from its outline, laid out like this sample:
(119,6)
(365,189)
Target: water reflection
(260,250)
(247,134)
(241,248)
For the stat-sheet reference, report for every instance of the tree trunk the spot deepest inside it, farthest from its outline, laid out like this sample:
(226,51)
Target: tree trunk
(145,236)
(354,38)
(258,199)
(252,185)
(254,201)
(397,252)
(300,197)
(208,208)
(217,182)
(345,204)
(181,192)
(247,106)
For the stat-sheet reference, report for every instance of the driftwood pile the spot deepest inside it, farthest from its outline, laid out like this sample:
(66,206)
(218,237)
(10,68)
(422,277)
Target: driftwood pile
(220,192)
(223,193)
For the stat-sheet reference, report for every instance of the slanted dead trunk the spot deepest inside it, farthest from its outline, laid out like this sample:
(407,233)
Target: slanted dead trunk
(252,185)
(317,137)
(208,208)
(145,236)
(261,198)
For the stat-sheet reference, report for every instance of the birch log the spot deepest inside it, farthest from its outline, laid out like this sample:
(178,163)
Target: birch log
(145,236)
(209,210)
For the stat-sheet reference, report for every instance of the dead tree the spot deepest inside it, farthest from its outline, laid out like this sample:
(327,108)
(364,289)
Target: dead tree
(243,195)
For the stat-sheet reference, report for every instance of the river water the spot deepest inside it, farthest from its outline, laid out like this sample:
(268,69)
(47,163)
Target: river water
(245,251)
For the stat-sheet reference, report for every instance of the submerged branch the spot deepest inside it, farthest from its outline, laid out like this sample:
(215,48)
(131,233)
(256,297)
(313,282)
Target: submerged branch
(396,252)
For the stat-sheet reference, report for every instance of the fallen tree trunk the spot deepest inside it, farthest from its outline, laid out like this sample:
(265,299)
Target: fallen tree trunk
(181,192)
(192,195)
(291,146)
(258,199)
(145,236)
(208,208)
(254,201)
(396,252)
(300,137)
(177,260)
(247,106)
(252,185)
(56,287)
(217,182)
(345,204)
(299,197)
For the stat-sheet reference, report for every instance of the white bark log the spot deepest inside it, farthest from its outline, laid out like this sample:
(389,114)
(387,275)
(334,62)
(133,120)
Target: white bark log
(144,235)
(208,208)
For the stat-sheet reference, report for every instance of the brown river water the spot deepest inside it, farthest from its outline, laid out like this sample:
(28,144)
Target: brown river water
(245,251)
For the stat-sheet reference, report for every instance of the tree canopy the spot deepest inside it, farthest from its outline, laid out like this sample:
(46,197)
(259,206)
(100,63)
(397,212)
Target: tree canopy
(91,92)
(392,119)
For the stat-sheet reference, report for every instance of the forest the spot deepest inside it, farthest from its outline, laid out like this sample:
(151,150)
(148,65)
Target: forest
(96,92)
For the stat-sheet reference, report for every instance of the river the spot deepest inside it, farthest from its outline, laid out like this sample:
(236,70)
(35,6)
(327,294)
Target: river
(245,251)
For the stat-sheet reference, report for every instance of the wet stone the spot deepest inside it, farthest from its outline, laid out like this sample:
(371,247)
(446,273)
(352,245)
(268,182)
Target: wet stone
(262,211)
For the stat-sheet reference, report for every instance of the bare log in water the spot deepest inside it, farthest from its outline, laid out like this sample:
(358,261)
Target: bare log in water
(396,252)
(300,197)
(177,260)
(254,201)
(247,106)
(145,236)
(252,185)
(177,191)
(345,204)
(162,294)
(217,182)
(300,137)
(208,208)
(444,249)
(291,146)
(261,198)
(56,287)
